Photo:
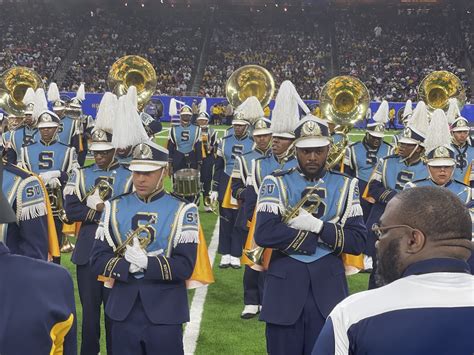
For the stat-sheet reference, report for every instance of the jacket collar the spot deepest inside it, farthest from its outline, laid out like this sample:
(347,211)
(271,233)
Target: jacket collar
(437,265)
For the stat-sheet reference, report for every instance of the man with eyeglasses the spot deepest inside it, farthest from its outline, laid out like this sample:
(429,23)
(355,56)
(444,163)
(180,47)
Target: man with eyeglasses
(426,304)
(392,173)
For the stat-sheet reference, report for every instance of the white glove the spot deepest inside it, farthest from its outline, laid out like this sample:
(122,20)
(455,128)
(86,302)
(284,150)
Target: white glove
(306,221)
(54,182)
(93,200)
(213,196)
(48,175)
(134,269)
(136,255)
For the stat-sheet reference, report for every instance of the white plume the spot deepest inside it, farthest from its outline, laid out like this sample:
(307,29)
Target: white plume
(382,114)
(438,131)
(29,97)
(285,115)
(128,128)
(41,104)
(106,113)
(53,93)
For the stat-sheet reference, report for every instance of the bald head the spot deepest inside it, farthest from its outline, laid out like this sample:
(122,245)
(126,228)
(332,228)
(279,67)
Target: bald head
(436,211)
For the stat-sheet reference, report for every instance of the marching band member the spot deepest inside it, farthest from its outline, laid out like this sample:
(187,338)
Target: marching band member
(209,146)
(361,157)
(441,159)
(184,143)
(52,160)
(464,153)
(81,205)
(154,236)
(28,236)
(37,297)
(406,116)
(393,172)
(241,182)
(228,148)
(25,131)
(305,278)
(73,122)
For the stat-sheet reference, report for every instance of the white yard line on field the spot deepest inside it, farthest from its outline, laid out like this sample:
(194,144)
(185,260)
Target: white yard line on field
(191,332)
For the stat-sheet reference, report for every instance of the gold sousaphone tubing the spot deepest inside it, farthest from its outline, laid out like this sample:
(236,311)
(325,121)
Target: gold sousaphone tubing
(133,70)
(250,80)
(13,85)
(438,87)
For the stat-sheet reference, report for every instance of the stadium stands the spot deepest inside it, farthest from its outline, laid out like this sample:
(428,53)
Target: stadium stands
(390,50)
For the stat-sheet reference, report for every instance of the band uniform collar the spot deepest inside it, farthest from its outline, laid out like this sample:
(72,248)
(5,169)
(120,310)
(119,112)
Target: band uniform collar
(153,197)
(437,265)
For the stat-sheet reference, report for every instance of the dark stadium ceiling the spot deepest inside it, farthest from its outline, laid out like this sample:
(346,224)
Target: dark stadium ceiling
(315,3)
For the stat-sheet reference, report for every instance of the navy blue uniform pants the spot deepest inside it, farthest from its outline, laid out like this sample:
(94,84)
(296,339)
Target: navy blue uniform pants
(59,232)
(298,338)
(206,174)
(137,335)
(92,294)
(229,242)
(253,286)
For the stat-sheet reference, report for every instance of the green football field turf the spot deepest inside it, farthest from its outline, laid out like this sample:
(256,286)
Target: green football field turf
(222,330)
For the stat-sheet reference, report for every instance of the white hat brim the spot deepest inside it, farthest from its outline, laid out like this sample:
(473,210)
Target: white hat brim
(376,134)
(312,142)
(461,129)
(48,125)
(406,140)
(144,167)
(261,132)
(240,122)
(441,162)
(284,135)
(101,146)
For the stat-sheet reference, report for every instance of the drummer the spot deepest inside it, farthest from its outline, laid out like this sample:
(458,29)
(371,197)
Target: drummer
(184,145)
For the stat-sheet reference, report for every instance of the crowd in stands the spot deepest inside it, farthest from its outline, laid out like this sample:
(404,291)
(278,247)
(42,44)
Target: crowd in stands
(34,37)
(391,52)
(293,50)
(171,45)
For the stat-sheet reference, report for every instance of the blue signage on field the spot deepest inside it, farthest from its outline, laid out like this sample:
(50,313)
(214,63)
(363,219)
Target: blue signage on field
(92,103)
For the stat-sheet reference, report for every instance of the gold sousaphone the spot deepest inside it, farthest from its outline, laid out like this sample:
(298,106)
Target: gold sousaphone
(133,70)
(344,101)
(250,80)
(13,85)
(438,87)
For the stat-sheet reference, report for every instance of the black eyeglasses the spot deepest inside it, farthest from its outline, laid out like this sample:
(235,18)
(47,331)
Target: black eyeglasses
(380,231)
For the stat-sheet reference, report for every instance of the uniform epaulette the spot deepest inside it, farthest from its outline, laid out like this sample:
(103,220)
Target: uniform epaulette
(283,172)
(17,170)
(180,198)
(120,196)
(335,172)
(419,180)
(461,182)
(392,156)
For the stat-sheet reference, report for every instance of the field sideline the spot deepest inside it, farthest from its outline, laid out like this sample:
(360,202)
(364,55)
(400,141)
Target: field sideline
(221,329)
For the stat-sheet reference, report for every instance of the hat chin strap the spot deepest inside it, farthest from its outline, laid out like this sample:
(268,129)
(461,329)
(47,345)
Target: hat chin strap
(431,177)
(411,154)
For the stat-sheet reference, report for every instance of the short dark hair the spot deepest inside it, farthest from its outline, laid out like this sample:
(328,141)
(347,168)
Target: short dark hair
(436,211)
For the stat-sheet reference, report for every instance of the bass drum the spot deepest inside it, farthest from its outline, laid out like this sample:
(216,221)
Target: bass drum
(187,182)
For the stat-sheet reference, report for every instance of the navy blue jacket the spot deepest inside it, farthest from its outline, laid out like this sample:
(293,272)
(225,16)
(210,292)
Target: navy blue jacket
(34,297)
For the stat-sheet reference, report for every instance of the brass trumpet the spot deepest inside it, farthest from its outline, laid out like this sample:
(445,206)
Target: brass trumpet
(105,189)
(138,233)
(255,255)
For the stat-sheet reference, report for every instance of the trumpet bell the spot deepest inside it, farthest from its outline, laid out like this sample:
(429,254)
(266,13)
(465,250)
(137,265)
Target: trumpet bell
(255,255)
(67,246)
(250,80)
(133,70)
(13,85)
(438,87)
